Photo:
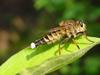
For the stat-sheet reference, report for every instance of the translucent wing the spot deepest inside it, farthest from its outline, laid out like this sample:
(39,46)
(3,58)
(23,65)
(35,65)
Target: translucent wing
(54,29)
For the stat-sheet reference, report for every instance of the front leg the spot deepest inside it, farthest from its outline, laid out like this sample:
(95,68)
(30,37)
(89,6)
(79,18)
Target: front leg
(87,38)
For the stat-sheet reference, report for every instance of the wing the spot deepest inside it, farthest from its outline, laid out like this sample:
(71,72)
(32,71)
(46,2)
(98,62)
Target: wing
(54,29)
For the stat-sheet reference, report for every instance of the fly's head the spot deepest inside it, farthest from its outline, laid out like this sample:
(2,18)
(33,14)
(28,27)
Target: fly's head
(80,27)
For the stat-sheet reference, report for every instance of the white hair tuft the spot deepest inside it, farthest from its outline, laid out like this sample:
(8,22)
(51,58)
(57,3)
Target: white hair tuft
(33,45)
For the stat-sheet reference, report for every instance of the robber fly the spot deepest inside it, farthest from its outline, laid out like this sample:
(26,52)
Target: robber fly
(66,29)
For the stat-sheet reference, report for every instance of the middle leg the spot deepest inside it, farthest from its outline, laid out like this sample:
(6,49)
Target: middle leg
(75,43)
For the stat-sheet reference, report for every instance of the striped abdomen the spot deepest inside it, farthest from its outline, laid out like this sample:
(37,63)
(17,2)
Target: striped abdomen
(49,38)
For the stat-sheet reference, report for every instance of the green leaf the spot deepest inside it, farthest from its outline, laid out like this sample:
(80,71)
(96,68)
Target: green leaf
(42,60)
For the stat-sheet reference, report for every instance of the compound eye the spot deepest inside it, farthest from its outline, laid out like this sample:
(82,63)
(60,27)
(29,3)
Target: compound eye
(81,25)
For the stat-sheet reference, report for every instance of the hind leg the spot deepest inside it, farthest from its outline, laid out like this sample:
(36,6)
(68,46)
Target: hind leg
(59,47)
(59,50)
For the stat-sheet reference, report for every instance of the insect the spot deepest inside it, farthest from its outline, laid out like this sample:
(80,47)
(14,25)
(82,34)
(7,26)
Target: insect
(66,29)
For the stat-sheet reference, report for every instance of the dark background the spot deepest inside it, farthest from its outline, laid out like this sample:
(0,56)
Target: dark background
(23,21)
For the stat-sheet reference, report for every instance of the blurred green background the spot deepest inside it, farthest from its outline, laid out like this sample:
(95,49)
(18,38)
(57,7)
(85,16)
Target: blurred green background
(23,21)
